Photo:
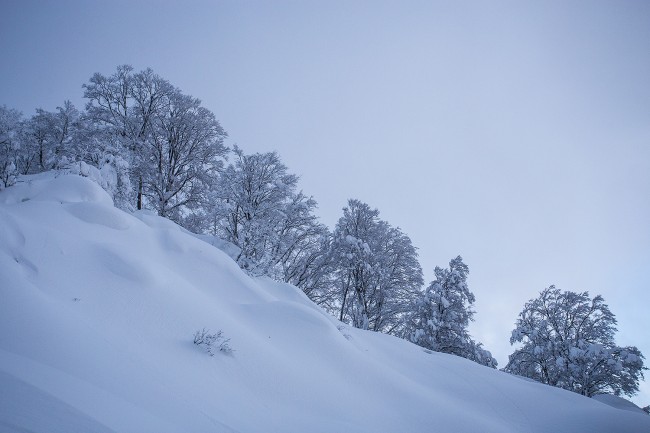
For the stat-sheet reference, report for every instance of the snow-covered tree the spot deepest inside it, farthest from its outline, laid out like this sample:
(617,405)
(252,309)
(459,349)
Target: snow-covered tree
(37,143)
(308,267)
(375,268)
(442,314)
(568,341)
(115,126)
(65,124)
(47,138)
(302,250)
(355,266)
(42,142)
(170,144)
(400,280)
(182,156)
(256,206)
(10,127)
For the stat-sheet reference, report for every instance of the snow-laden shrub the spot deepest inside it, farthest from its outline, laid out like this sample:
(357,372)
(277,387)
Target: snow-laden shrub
(212,341)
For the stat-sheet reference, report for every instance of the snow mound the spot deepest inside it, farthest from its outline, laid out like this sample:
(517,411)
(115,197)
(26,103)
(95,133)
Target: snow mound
(98,312)
(51,186)
(618,402)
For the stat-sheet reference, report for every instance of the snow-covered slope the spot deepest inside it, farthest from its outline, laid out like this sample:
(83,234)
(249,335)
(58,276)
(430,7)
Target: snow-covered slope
(97,314)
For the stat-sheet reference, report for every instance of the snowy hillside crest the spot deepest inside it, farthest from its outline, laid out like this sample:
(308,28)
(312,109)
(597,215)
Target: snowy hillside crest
(98,324)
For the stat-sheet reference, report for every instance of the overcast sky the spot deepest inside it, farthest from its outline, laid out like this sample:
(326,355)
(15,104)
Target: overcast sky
(516,134)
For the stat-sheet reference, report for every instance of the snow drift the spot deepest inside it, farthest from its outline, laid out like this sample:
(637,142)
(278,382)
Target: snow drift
(98,309)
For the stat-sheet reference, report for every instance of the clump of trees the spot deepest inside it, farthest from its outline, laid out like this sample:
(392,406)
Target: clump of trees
(153,147)
(567,341)
(43,142)
(156,147)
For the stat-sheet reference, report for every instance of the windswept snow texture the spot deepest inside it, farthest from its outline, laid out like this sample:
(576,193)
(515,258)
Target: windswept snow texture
(97,314)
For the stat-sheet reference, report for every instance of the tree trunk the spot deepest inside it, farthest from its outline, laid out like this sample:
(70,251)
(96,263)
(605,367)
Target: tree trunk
(140,194)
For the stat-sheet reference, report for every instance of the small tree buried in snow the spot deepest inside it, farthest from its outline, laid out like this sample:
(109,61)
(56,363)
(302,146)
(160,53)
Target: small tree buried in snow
(212,341)
(568,342)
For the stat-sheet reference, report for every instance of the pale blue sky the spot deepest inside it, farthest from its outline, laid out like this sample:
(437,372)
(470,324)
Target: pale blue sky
(516,134)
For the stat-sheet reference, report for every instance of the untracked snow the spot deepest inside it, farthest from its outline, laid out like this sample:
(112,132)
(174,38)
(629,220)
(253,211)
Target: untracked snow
(98,309)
